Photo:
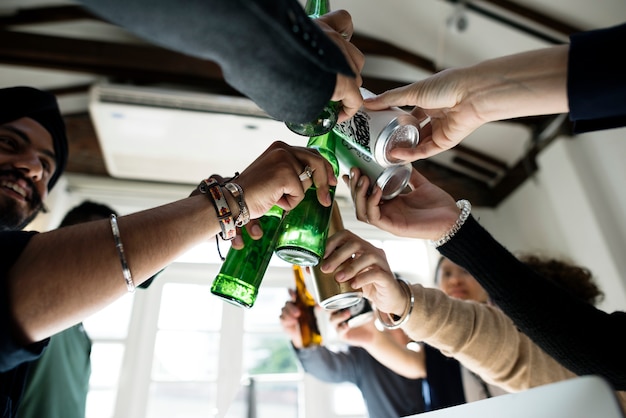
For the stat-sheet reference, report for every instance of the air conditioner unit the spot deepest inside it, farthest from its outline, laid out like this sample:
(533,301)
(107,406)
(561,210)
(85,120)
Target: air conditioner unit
(173,136)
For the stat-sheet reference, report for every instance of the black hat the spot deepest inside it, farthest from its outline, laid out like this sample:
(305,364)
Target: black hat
(20,102)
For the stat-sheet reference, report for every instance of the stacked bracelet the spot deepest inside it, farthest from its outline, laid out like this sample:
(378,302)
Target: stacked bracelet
(466,209)
(213,190)
(130,285)
(244,213)
(394,321)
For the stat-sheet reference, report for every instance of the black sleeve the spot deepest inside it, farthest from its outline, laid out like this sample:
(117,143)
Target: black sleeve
(596,82)
(583,338)
(269,50)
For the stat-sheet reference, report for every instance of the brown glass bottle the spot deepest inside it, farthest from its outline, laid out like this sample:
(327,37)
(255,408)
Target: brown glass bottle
(309,330)
(330,294)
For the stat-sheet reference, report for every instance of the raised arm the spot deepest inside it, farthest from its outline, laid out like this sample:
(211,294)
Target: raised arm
(584,78)
(64,275)
(268,50)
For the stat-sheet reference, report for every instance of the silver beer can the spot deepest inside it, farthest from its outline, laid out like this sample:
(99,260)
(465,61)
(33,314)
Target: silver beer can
(392,180)
(378,132)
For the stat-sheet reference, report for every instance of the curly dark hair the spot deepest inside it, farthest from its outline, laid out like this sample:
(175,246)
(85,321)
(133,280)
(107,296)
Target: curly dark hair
(576,280)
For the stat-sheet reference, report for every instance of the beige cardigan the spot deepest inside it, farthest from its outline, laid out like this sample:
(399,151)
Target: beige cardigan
(484,340)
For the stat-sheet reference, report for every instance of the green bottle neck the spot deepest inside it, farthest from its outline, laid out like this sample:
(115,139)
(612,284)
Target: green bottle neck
(325,144)
(316,8)
(275,211)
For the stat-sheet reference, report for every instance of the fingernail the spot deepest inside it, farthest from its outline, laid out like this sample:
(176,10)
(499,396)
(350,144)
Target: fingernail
(360,182)
(256,229)
(340,275)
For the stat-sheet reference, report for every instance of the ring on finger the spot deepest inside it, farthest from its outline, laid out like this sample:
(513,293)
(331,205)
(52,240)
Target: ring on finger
(306,174)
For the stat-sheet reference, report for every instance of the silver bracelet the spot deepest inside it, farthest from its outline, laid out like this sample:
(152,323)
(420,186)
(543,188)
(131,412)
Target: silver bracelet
(244,214)
(130,285)
(466,209)
(394,321)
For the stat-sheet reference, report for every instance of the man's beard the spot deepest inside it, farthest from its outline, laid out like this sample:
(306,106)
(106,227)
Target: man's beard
(12,218)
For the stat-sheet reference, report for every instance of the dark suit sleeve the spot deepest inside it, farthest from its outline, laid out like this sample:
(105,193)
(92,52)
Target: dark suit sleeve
(596,84)
(269,50)
(578,335)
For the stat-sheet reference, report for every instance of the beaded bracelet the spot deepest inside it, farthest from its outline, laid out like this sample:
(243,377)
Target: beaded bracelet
(213,190)
(244,213)
(128,277)
(395,321)
(466,209)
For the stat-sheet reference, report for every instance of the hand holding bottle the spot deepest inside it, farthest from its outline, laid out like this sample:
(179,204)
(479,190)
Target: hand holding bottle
(274,178)
(365,266)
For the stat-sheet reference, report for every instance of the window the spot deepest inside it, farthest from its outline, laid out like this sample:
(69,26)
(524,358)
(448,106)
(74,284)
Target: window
(185,352)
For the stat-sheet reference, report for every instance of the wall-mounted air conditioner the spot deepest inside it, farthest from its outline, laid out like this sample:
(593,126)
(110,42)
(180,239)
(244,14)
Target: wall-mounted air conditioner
(177,136)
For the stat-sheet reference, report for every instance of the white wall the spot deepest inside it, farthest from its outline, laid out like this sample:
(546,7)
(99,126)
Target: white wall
(573,207)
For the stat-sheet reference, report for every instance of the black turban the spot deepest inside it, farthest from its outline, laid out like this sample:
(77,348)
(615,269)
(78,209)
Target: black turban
(20,102)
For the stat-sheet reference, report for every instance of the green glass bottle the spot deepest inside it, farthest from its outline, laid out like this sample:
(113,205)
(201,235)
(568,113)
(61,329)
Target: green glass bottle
(242,272)
(303,232)
(327,118)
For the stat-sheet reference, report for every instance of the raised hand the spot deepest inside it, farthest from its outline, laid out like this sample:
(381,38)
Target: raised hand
(273,178)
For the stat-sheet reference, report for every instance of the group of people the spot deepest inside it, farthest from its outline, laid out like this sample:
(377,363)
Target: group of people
(51,281)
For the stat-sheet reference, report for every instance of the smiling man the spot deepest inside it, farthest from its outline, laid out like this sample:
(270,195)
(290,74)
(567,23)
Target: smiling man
(33,153)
